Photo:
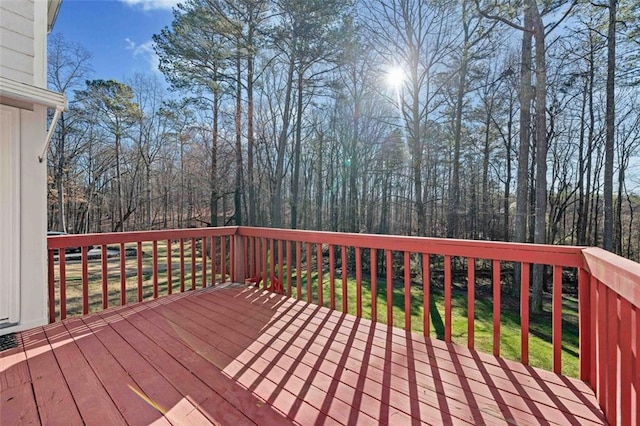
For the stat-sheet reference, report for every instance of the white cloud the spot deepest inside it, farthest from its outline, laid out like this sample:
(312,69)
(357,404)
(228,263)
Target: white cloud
(145,52)
(152,4)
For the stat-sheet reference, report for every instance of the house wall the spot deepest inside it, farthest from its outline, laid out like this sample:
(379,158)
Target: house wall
(23,37)
(17,45)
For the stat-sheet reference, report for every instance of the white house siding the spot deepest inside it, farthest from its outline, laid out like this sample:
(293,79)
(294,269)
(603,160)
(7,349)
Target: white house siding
(17,44)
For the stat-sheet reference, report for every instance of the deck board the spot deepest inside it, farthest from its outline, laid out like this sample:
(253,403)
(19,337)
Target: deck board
(237,355)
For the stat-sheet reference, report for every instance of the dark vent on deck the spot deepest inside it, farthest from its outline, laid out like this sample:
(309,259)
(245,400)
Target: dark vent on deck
(8,341)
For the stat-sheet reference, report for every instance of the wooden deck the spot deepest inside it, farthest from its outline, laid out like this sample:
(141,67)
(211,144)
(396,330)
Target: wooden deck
(236,355)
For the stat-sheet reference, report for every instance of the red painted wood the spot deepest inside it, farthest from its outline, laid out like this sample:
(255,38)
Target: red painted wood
(625,361)
(289,266)
(601,344)
(636,371)
(566,256)
(52,286)
(46,383)
(407,291)
(298,270)
(105,277)
(106,238)
(309,289)
(319,268)
(63,284)
(218,269)
(181,265)
(496,307)
(18,406)
(593,305)
(447,298)
(336,364)
(204,261)
(358,255)
(524,312)
(232,261)
(619,274)
(252,407)
(250,256)
(426,294)
(557,319)
(265,262)
(332,277)
(155,269)
(90,396)
(281,264)
(223,259)
(345,296)
(326,329)
(246,258)
(169,268)
(85,280)
(584,325)
(139,272)
(148,372)
(612,363)
(272,261)
(294,327)
(193,263)
(389,268)
(374,284)
(214,261)
(113,376)
(471,301)
(123,275)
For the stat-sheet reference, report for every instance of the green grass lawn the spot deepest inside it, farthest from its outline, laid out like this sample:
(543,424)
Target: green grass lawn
(540,348)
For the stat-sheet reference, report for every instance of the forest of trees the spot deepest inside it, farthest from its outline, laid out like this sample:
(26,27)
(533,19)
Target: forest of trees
(515,121)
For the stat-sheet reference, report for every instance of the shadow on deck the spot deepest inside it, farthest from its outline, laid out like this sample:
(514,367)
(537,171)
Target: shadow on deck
(236,355)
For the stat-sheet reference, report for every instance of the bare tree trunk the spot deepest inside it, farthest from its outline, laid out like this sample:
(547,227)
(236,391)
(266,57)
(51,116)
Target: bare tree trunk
(276,209)
(507,184)
(320,181)
(525,125)
(213,200)
(610,129)
(250,138)
(237,193)
(119,226)
(454,197)
(295,180)
(541,155)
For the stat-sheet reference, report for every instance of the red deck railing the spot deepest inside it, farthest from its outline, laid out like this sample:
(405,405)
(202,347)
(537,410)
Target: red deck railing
(608,286)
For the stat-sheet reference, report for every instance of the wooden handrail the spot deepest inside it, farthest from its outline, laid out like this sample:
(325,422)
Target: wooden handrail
(617,273)
(78,240)
(566,256)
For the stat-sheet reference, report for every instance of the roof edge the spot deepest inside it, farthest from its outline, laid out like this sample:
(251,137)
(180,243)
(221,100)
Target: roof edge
(52,13)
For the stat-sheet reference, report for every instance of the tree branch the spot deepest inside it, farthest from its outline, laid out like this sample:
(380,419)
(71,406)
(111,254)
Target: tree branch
(500,18)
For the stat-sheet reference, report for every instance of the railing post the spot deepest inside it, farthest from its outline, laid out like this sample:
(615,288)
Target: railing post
(237,271)
(585,329)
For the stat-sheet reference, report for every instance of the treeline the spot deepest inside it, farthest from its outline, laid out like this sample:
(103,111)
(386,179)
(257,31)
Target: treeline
(512,122)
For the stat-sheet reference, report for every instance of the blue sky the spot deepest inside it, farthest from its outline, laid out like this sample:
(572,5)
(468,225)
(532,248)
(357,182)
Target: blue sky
(117,32)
